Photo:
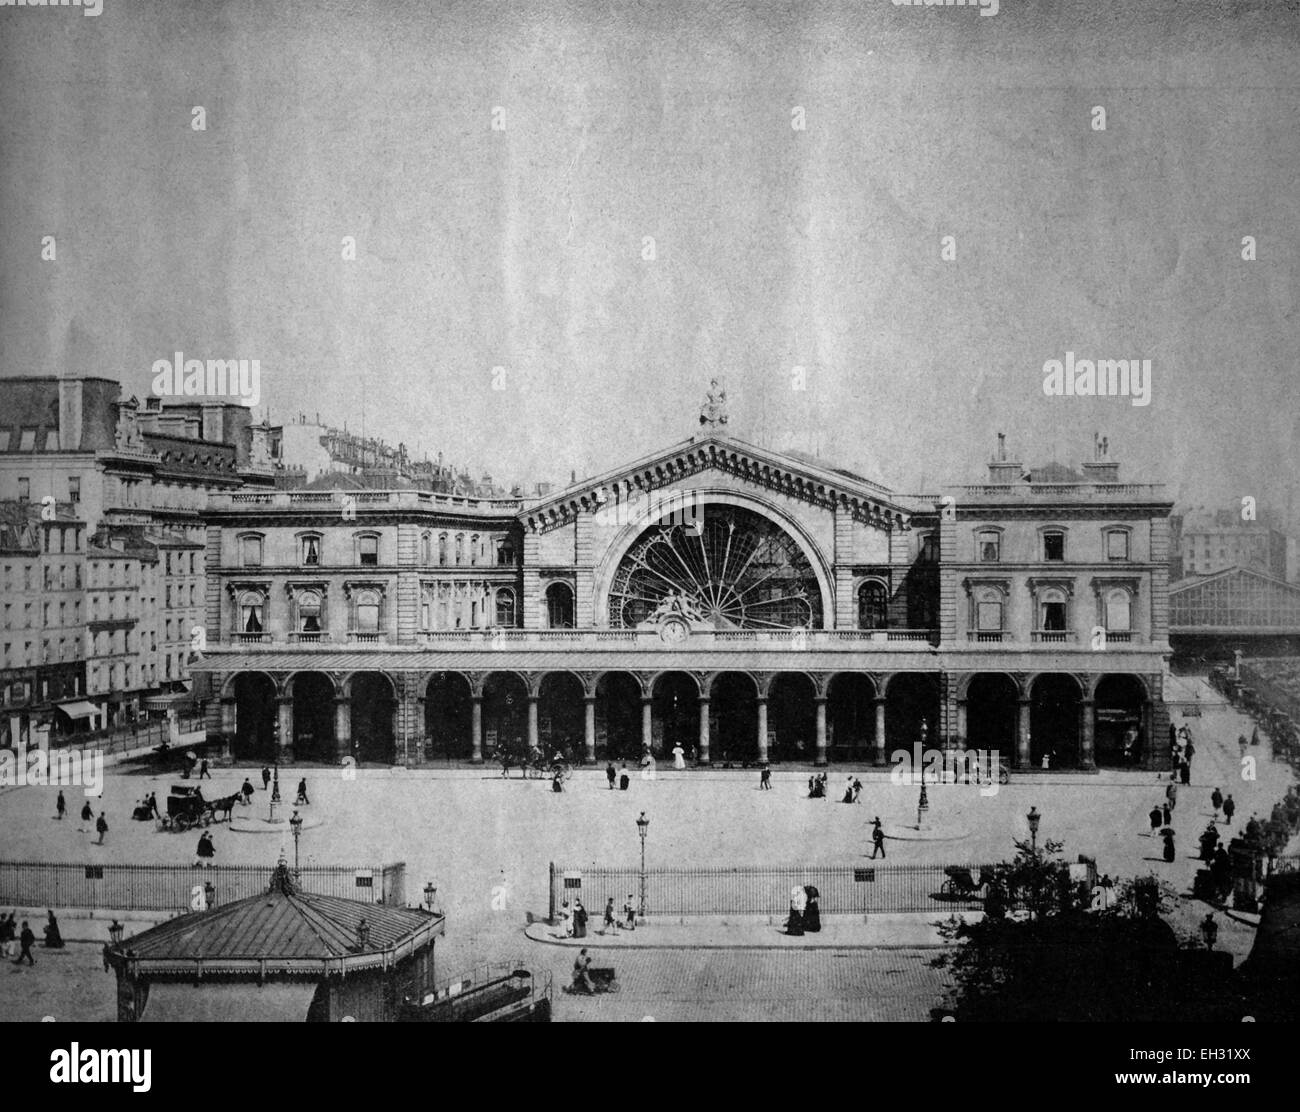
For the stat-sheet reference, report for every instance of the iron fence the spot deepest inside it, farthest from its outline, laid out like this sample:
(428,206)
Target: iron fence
(173,888)
(863,889)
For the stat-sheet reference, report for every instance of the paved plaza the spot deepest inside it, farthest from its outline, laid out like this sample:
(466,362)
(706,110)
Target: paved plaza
(486,842)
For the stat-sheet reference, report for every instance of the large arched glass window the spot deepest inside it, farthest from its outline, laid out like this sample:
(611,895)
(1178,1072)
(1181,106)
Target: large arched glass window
(559,606)
(505,607)
(368,612)
(873,606)
(1119,610)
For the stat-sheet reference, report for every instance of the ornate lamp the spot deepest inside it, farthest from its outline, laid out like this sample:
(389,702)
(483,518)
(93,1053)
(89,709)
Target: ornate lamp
(1033,818)
(642,827)
(430,895)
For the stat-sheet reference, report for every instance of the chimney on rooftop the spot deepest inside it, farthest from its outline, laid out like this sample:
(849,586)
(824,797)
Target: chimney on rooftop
(1004,469)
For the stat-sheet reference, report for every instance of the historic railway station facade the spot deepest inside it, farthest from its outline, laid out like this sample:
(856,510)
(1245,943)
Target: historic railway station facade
(744,603)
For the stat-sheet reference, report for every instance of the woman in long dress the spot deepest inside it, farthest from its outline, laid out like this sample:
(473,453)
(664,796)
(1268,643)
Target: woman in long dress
(679,758)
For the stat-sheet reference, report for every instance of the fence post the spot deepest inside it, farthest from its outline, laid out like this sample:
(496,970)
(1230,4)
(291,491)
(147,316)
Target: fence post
(551,893)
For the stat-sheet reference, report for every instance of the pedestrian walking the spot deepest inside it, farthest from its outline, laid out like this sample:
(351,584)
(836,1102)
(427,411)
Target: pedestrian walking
(624,780)
(566,919)
(765,778)
(101,825)
(1156,817)
(266,778)
(1254,736)
(629,913)
(857,790)
(1166,814)
(610,775)
(679,758)
(302,799)
(25,941)
(203,769)
(1216,798)
(610,922)
(579,920)
(1242,743)
(1168,835)
(60,806)
(1189,752)
(877,839)
(205,850)
(1171,794)
(1185,772)
(53,936)
(1228,809)
(87,815)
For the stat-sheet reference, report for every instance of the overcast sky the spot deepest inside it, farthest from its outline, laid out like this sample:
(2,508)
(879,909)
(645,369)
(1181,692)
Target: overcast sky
(775,248)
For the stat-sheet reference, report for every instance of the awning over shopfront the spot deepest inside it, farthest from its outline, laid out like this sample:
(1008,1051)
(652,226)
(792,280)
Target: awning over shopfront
(80,709)
(242,1002)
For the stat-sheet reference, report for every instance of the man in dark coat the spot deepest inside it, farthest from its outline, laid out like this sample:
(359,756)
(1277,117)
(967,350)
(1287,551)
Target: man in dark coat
(247,790)
(101,825)
(610,775)
(266,778)
(61,806)
(26,940)
(1228,808)
(877,839)
(1156,817)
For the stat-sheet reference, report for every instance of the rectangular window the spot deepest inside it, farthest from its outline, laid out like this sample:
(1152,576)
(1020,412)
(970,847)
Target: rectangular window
(311,551)
(24,489)
(74,488)
(1053,546)
(1053,616)
(251,552)
(990,547)
(1117,545)
(368,547)
(989,616)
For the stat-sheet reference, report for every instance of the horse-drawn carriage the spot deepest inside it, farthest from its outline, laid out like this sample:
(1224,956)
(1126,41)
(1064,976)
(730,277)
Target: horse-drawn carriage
(962,883)
(186,808)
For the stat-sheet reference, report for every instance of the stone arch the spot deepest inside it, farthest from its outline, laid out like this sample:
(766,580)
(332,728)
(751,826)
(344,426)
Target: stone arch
(627,536)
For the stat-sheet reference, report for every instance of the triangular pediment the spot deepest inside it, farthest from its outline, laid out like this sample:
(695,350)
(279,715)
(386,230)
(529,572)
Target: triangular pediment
(764,468)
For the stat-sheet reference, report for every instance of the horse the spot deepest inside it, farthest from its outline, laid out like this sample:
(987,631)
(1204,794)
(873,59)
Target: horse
(225,806)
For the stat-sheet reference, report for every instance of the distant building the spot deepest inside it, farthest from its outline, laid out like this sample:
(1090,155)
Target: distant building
(1212,616)
(1210,542)
(131,480)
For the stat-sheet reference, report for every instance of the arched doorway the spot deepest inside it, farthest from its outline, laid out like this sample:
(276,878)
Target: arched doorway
(255,717)
(791,718)
(912,699)
(676,713)
(733,718)
(993,714)
(560,715)
(505,715)
(373,702)
(1121,703)
(618,717)
(1054,707)
(313,718)
(850,717)
(448,716)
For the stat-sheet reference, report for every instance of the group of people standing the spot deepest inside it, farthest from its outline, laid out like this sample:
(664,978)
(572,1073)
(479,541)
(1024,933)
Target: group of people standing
(1181,752)
(805,911)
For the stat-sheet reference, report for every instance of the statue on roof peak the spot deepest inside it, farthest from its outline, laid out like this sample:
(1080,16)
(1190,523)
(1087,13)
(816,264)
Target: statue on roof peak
(714,410)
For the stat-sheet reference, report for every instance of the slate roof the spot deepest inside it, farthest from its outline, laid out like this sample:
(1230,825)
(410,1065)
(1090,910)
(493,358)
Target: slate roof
(281,930)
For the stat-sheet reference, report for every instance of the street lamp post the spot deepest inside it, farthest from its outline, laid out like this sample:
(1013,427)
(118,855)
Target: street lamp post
(1034,818)
(922,804)
(295,824)
(430,895)
(642,826)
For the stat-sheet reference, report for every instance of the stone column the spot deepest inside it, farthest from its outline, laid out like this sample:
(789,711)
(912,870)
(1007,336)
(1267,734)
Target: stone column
(286,726)
(1087,725)
(762,727)
(820,702)
(647,723)
(961,723)
(589,729)
(1148,730)
(880,758)
(476,729)
(229,724)
(1022,735)
(343,725)
(702,754)
(533,741)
